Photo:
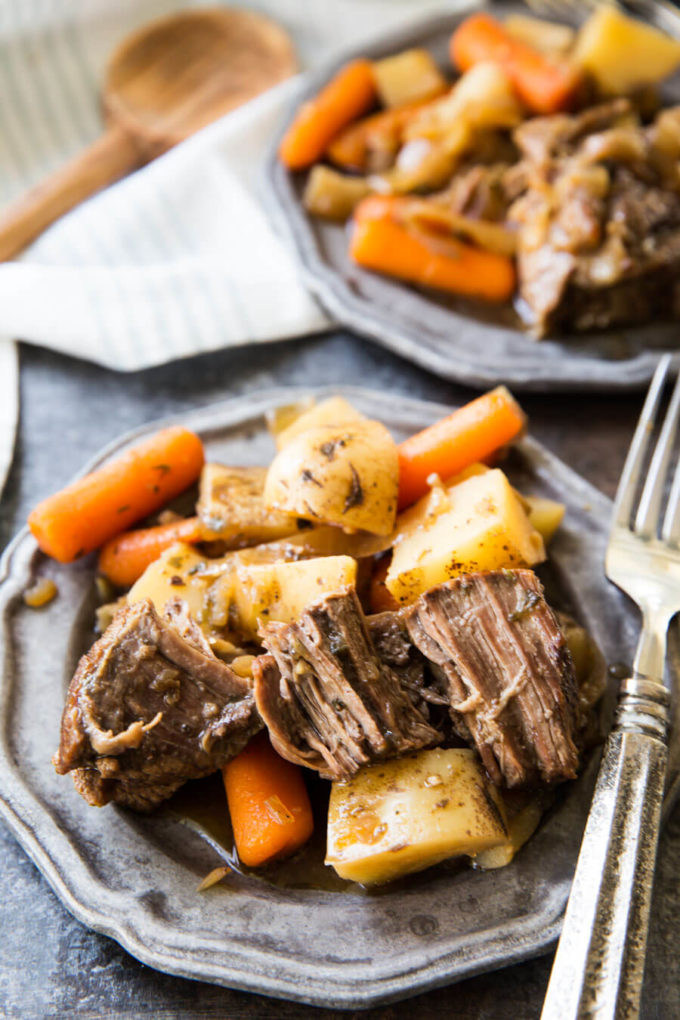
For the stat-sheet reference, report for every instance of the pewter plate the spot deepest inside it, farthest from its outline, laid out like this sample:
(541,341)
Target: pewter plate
(135,878)
(466,344)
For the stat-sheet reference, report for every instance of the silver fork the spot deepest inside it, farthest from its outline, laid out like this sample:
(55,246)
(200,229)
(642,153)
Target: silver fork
(599,964)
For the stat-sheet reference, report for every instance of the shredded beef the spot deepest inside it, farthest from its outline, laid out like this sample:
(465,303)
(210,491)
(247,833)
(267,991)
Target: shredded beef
(508,669)
(149,707)
(328,699)
(599,221)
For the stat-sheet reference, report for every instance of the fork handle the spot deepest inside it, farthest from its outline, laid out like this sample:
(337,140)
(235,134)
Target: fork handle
(600,959)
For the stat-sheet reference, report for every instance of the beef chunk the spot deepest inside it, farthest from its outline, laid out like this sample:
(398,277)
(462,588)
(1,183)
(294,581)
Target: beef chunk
(508,669)
(543,139)
(149,707)
(394,647)
(599,222)
(329,701)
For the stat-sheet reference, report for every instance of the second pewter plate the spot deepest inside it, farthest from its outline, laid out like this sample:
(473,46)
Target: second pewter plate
(134,878)
(475,347)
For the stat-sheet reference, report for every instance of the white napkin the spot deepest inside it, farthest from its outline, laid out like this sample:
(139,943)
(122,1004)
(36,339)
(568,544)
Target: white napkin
(179,257)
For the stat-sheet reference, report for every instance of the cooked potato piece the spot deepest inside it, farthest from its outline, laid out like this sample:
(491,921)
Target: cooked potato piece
(280,591)
(233,591)
(483,97)
(231,507)
(406,814)
(332,411)
(549,37)
(590,667)
(407,77)
(280,417)
(545,515)
(181,572)
(326,540)
(332,195)
(477,524)
(521,826)
(621,53)
(345,474)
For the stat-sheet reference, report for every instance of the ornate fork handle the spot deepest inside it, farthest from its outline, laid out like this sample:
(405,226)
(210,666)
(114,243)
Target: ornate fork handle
(600,960)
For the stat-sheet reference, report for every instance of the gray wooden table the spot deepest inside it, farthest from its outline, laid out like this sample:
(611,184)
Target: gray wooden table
(50,966)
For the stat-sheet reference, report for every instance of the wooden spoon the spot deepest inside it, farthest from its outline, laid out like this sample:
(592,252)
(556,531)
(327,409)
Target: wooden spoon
(164,82)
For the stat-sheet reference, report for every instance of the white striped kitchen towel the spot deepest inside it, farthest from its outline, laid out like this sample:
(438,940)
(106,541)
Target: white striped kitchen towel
(179,258)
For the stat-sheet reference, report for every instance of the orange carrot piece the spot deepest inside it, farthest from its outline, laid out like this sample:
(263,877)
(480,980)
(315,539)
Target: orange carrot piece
(93,509)
(544,85)
(383,130)
(468,435)
(346,96)
(125,558)
(268,803)
(381,243)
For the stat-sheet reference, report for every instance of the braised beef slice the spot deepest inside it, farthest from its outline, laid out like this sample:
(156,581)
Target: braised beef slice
(599,222)
(328,699)
(149,707)
(509,673)
(394,647)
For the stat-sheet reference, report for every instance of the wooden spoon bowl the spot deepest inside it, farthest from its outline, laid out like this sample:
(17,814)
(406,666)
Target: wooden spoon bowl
(163,83)
(173,77)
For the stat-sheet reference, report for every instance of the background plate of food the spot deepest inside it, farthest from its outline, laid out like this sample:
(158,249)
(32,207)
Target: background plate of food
(491,216)
(294,929)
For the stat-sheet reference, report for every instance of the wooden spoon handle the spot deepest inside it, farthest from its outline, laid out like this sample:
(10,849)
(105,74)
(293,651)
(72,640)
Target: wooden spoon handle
(115,154)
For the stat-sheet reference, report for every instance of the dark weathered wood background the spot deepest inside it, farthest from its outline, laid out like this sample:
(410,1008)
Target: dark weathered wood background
(50,966)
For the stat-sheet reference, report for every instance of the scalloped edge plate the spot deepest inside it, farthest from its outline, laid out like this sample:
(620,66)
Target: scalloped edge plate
(134,879)
(418,326)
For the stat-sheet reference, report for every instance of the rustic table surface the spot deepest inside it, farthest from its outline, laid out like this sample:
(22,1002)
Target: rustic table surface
(50,965)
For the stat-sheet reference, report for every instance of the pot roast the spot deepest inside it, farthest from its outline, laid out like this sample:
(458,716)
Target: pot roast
(149,707)
(599,221)
(489,647)
(480,658)
(328,699)
(507,668)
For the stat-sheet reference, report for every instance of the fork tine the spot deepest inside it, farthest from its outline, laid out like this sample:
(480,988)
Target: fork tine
(625,495)
(647,519)
(670,532)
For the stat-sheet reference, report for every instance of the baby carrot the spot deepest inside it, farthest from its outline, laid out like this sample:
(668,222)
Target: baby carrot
(125,558)
(379,242)
(268,803)
(346,96)
(544,85)
(468,435)
(93,509)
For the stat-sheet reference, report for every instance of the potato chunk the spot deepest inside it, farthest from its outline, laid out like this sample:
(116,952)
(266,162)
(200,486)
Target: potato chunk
(280,591)
(521,826)
(235,593)
(477,524)
(332,411)
(545,515)
(621,53)
(345,474)
(332,195)
(406,814)
(407,77)
(231,507)
(175,574)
